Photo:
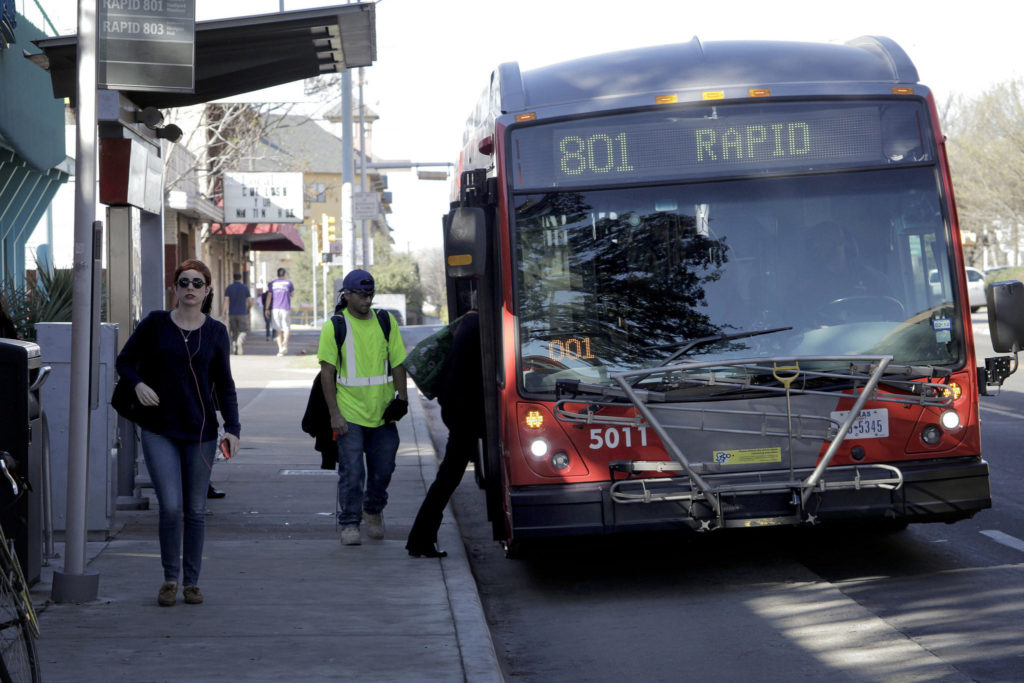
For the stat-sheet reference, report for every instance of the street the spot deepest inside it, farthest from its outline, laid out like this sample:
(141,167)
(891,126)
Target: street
(934,602)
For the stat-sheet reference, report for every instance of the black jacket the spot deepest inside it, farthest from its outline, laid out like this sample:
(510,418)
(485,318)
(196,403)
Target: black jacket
(316,422)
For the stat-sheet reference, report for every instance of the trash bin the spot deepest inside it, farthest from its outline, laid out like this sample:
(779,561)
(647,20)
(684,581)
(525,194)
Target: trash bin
(21,375)
(102,476)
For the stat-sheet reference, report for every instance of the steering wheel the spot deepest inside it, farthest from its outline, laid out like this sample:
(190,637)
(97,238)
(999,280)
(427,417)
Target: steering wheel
(541,363)
(861,308)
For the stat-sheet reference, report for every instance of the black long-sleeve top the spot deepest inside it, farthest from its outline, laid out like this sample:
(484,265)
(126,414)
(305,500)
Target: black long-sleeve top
(186,375)
(461,384)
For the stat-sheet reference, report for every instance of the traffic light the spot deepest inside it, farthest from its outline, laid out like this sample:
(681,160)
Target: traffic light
(328,232)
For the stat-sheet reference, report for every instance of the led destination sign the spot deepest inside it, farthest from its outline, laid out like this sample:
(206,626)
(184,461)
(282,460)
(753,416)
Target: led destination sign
(715,141)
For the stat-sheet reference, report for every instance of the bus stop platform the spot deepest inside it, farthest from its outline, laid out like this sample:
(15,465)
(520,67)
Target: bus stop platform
(284,600)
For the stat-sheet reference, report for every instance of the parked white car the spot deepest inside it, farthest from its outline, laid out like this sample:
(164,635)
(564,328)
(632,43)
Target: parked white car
(975,286)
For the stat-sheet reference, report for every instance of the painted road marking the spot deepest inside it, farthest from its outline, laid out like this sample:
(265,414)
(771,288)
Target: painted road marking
(1001,411)
(1005,539)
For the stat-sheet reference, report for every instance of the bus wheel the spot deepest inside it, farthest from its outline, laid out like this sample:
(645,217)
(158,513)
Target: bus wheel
(495,495)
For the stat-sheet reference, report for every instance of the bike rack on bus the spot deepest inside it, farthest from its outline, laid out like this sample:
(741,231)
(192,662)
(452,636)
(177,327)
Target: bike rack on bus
(703,482)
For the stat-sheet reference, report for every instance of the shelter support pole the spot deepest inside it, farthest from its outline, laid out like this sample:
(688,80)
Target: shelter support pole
(75,583)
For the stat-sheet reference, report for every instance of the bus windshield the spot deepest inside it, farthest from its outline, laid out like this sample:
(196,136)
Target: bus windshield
(621,278)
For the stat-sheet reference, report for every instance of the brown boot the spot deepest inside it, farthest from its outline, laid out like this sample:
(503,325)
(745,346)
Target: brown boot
(168,594)
(193,596)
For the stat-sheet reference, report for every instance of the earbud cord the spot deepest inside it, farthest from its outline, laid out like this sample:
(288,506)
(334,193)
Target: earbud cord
(199,394)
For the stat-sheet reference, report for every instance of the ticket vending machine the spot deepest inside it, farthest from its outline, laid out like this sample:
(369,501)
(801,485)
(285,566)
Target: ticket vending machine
(22,374)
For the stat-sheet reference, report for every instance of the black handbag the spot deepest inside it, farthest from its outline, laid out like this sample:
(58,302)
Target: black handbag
(125,402)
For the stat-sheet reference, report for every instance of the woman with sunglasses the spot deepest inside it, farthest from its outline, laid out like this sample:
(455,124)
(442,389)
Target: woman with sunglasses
(178,362)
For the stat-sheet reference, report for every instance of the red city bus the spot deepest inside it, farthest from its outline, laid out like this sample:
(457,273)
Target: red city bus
(720,285)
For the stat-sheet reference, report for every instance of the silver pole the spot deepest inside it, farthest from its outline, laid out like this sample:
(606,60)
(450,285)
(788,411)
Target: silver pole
(362,174)
(316,250)
(347,170)
(73,585)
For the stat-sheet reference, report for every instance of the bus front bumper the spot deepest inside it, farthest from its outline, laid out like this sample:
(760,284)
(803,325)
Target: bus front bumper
(944,490)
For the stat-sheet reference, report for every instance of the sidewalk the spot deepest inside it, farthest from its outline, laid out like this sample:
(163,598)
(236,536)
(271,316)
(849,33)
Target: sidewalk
(285,601)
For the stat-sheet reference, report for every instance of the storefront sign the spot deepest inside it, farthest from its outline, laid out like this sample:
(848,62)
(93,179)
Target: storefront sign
(263,198)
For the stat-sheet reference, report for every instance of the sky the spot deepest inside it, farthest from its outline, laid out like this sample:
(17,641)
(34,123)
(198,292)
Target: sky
(434,58)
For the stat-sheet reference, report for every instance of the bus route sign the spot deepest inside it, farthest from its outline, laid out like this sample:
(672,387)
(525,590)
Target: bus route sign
(737,139)
(147,45)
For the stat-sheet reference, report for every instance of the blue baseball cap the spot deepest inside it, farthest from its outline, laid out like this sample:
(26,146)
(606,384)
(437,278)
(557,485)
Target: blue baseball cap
(358,281)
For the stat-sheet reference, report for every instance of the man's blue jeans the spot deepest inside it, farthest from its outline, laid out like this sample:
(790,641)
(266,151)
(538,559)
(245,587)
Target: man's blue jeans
(380,444)
(180,471)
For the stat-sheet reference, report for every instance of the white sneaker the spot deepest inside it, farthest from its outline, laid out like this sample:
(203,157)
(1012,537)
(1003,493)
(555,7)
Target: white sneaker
(374,524)
(350,535)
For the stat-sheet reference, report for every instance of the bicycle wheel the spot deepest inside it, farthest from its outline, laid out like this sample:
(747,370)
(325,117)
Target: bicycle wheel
(18,660)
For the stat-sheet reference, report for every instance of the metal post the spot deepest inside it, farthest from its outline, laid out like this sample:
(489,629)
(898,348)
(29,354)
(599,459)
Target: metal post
(328,300)
(316,253)
(364,224)
(346,164)
(75,583)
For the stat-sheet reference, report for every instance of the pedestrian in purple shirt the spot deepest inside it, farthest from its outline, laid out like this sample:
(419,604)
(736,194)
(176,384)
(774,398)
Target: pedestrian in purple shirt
(280,308)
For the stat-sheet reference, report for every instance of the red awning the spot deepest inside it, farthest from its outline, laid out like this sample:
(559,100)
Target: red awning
(263,236)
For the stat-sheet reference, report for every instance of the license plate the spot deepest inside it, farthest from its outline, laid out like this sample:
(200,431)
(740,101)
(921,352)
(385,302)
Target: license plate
(870,424)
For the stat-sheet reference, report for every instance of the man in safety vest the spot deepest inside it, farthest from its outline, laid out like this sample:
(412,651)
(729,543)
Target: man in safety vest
(365,389)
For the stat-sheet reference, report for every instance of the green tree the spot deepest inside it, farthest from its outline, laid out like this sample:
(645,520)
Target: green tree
(398,273)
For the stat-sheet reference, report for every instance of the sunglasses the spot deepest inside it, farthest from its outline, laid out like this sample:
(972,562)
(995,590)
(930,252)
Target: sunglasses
(365,293)
(196,282)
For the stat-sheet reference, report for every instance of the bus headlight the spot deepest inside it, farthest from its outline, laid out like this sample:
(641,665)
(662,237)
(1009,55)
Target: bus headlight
(539,447)
(950,419)
(560,460)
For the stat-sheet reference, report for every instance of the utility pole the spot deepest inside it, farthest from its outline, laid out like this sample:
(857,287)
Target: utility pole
(362,174)
(347,170)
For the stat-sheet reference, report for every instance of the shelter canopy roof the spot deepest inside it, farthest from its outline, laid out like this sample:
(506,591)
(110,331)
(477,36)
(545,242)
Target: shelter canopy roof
(243,54)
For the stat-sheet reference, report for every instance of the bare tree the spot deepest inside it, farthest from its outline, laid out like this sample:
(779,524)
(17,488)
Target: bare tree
(986,151)
(219,137)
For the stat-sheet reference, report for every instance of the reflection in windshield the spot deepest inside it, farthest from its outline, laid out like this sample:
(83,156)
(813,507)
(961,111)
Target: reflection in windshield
(613,280)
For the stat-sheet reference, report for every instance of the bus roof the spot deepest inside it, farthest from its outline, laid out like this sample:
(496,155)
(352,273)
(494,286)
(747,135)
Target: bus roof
(696,65)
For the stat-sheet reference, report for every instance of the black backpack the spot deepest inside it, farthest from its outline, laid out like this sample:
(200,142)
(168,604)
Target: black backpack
(383,317)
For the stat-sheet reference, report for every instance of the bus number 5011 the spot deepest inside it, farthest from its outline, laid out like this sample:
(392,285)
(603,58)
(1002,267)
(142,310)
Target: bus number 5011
(598,153)
(613,437)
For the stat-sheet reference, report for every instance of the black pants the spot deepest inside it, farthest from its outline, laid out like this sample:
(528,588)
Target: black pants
(458,453)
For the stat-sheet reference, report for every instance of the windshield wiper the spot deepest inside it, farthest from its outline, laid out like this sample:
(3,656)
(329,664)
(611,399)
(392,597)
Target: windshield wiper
(688,345)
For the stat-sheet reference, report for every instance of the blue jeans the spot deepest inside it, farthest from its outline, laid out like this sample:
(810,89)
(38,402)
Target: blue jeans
(180,471)
(380,444)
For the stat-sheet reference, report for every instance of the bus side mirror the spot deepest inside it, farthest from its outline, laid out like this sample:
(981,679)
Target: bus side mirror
(465,242)
(1005,301)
